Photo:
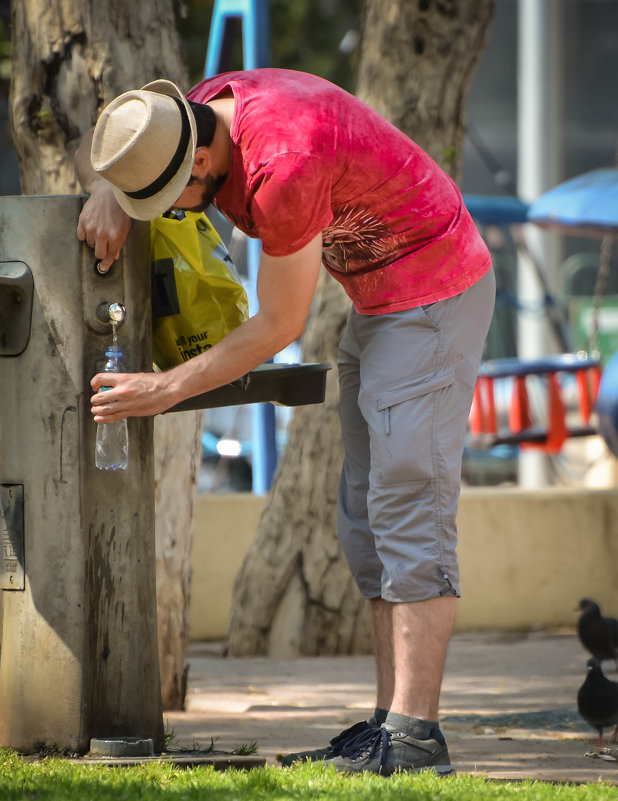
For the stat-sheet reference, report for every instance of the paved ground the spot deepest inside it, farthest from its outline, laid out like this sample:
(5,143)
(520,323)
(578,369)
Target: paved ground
(508,705)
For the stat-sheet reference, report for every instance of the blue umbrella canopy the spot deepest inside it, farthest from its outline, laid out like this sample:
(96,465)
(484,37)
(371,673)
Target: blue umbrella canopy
(586,205)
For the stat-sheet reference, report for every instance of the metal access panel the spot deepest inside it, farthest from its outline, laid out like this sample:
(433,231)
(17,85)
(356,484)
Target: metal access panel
(12,572)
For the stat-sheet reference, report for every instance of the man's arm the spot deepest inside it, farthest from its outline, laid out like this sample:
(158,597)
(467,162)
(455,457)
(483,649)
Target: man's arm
(102,223)
(285,290)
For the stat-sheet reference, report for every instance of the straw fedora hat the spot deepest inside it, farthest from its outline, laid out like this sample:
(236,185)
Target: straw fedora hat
(144,144)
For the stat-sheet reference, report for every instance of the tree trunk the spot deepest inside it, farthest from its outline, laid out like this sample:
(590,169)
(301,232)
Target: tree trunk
(178,455)
(416,66)
(294,594)
(71,58)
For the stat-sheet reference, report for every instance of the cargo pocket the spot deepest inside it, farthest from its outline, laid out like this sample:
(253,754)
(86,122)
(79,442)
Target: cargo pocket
(402,435)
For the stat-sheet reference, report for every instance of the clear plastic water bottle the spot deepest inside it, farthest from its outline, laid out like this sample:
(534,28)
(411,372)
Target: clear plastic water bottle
(112,449)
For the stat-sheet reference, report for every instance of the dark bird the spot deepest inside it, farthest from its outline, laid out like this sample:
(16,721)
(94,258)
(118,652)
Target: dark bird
(597,700)
(598,634)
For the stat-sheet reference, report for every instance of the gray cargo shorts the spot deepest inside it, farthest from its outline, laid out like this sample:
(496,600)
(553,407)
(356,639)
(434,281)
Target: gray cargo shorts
(406,384)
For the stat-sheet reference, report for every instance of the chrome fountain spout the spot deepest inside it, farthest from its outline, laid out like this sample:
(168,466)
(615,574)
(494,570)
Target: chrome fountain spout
(117,313)
(111,313)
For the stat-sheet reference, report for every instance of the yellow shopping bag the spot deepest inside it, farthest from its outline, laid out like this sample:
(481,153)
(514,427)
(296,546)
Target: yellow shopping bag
(197,295)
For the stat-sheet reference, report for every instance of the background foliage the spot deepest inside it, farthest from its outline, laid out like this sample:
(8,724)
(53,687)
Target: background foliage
(305,35)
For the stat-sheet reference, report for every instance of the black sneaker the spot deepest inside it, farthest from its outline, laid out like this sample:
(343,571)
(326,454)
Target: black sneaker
(379,750)
(333,749)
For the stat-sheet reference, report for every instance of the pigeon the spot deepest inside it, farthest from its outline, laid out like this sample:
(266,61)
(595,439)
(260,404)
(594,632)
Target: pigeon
(598,634)
(597,700)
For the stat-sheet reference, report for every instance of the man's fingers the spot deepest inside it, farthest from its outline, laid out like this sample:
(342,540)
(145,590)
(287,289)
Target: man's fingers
(102,252)
(106,414)
(103,226)
(98,245)
(103,380)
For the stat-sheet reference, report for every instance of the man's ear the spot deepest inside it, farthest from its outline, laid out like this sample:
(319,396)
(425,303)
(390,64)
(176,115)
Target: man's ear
(202,162)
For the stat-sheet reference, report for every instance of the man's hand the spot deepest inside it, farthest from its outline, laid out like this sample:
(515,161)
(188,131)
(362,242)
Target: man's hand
(129,395)
(103,224)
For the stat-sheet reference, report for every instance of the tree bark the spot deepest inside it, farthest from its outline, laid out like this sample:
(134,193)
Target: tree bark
(178,456)
(416,66)
(294,594)
(71,58)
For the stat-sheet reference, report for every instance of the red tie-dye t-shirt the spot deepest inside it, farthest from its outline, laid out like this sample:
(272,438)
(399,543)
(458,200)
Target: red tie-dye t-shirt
(307,157)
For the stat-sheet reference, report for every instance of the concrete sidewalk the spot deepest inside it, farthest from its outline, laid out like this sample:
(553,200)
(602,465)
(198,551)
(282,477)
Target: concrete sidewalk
(508,705)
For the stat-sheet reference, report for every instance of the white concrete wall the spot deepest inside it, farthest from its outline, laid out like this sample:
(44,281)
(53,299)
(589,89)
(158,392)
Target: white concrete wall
(224,530)
(528,556)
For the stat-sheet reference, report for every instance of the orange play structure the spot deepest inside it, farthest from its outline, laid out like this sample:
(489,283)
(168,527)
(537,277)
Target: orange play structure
(550,436)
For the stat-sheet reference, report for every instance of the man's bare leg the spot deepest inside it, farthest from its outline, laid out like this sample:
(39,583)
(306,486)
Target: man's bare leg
(410,643)
(421,632)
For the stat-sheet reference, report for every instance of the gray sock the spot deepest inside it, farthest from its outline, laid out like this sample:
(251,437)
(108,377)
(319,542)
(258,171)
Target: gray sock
(380,715)
(414,727)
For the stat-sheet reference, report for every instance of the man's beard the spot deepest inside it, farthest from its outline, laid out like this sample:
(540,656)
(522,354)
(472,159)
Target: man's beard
(210,186)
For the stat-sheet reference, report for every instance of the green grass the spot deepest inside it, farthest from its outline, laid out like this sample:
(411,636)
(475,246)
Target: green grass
(55,778)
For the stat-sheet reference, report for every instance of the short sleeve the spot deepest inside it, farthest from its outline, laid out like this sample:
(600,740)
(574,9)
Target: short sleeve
(290,202)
